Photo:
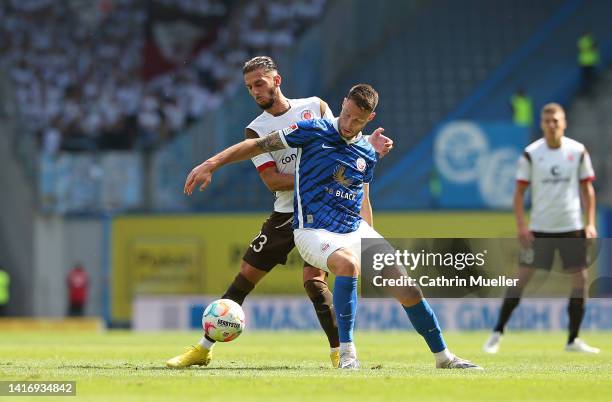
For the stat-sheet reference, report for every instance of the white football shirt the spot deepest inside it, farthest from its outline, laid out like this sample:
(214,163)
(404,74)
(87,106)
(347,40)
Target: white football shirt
(554,175)
(284,159)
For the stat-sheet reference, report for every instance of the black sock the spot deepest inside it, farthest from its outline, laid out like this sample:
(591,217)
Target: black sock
(239,289)
(322,300)
(575,310)
(512,299)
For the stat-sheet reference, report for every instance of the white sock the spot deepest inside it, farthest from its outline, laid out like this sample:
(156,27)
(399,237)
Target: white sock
(205,343)
(332,350)
(348,347)
(443,356)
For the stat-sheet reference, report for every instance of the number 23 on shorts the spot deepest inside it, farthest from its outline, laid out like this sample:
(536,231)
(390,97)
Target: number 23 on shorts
(258,242)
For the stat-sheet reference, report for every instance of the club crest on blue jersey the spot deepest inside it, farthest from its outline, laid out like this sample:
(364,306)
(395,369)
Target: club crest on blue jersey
(361,164)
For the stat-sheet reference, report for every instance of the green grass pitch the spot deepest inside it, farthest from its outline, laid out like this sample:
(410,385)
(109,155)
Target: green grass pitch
(120,366)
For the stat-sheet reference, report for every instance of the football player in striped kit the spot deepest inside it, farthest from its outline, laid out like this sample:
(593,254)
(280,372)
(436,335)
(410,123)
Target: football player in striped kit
(275,240)
(332,211)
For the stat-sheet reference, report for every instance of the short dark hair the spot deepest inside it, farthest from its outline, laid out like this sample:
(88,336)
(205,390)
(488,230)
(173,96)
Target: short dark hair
(364,96)
(260,62)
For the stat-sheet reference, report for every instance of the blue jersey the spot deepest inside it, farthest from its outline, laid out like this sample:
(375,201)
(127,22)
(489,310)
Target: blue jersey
(329,175)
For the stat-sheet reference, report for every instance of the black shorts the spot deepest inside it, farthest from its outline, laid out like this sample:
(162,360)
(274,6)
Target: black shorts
(572,248)
(273,243)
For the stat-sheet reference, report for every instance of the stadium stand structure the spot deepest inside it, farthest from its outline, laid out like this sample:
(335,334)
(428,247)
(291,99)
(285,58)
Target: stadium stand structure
(544,63)
(559,81)
(432,61)
(439,60)
(590,122)
(424,63)
(17,204)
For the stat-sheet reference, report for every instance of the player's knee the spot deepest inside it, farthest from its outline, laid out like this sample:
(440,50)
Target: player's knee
(318,292)
(251,273)
(343,263)
(347,268)
(579,279)
(313,274)
(524,276)
(410,295)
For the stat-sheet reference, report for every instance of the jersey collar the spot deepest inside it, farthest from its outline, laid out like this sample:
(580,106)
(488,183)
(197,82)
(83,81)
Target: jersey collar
(352,140)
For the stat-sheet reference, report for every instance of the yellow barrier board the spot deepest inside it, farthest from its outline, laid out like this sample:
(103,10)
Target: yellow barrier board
(166,265)
(50,324)
(445,224)
(201,254)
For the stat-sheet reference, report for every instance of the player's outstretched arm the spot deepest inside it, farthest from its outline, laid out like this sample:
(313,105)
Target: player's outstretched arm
(202,174)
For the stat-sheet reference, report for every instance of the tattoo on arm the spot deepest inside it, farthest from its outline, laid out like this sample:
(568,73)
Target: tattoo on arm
(271,142)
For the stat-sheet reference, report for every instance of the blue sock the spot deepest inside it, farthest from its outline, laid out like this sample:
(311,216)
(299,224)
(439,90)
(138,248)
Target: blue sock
(424,320)
(345,303)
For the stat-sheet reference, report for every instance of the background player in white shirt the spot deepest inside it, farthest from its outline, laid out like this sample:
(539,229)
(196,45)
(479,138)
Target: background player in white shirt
(275,240)
(559,171)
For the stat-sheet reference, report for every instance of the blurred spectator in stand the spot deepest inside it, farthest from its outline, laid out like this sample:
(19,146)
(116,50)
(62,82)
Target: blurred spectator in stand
(149,122)
(5,288)
(522,109)
(51,138)
(78,285)
(77,66)
(588,60)
(174,116)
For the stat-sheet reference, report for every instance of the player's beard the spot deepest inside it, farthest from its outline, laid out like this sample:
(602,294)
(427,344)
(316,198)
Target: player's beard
(269,103)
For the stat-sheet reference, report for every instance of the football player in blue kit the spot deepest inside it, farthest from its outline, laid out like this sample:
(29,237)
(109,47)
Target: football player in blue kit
(332,211)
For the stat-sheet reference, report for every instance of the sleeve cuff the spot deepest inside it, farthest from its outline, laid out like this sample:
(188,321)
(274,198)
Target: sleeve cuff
(266,165)
(281,134)
(587,179)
